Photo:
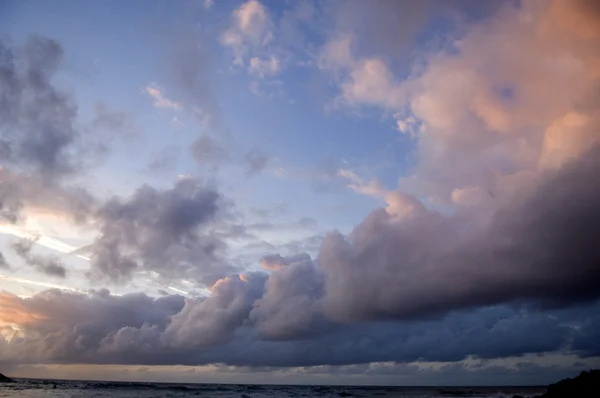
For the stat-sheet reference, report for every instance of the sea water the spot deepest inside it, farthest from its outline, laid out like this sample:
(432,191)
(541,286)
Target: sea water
(26,388)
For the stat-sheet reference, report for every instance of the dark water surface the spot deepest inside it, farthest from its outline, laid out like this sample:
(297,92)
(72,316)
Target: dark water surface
(86,389)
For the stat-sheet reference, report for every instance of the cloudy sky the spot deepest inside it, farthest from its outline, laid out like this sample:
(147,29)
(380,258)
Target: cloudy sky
(381,192)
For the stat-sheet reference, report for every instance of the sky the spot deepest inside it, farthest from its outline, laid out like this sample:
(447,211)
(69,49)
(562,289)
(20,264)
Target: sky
(322,192)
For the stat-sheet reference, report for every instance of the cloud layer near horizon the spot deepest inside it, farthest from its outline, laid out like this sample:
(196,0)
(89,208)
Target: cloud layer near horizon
(134,329)
(488,247)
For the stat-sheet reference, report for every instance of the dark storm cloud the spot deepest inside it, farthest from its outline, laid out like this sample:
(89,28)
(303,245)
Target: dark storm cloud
(50,266)
(165,231)
(66,327)
(542,246)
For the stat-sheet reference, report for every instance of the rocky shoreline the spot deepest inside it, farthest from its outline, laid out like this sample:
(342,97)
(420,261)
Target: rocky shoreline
(4,379)
(586,385)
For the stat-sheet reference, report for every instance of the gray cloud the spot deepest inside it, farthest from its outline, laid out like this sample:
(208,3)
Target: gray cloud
(421,271)
(587,343)
(310,244)
(51,266)
(276,261)
(308,223)
(290,307)
(166,160)
(40,143)
(76,325)
(541,246)
(207,150)
(161,231)
(226,328)
(191,69)
(395,289)
(17,189)
(111,120)
(325,176)
(213,320)
(255,161)
(382,26)
(33,107)
(3,263)
(391,27)
(107,126)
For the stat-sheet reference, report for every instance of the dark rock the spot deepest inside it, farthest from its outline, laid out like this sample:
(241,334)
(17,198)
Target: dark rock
(586,385)
(4,379)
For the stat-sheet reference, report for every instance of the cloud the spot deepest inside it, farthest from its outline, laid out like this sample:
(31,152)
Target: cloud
(492,142)
(48,266)
(207,150)
(21,192)
(251,28)
(275,262)
(381,27)
(213,320)
(290,307)
(487,116)
(370,82)
(160,100)
(235,326)
(513,254)
(165,160)
(31,105)
(256,161)
(264,67)
(111,120)
(43,145)
(371,188)
(192,73)
(162,231)
(510,269)
(73,325)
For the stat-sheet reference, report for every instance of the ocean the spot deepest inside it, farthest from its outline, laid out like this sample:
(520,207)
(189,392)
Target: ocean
(26,388)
